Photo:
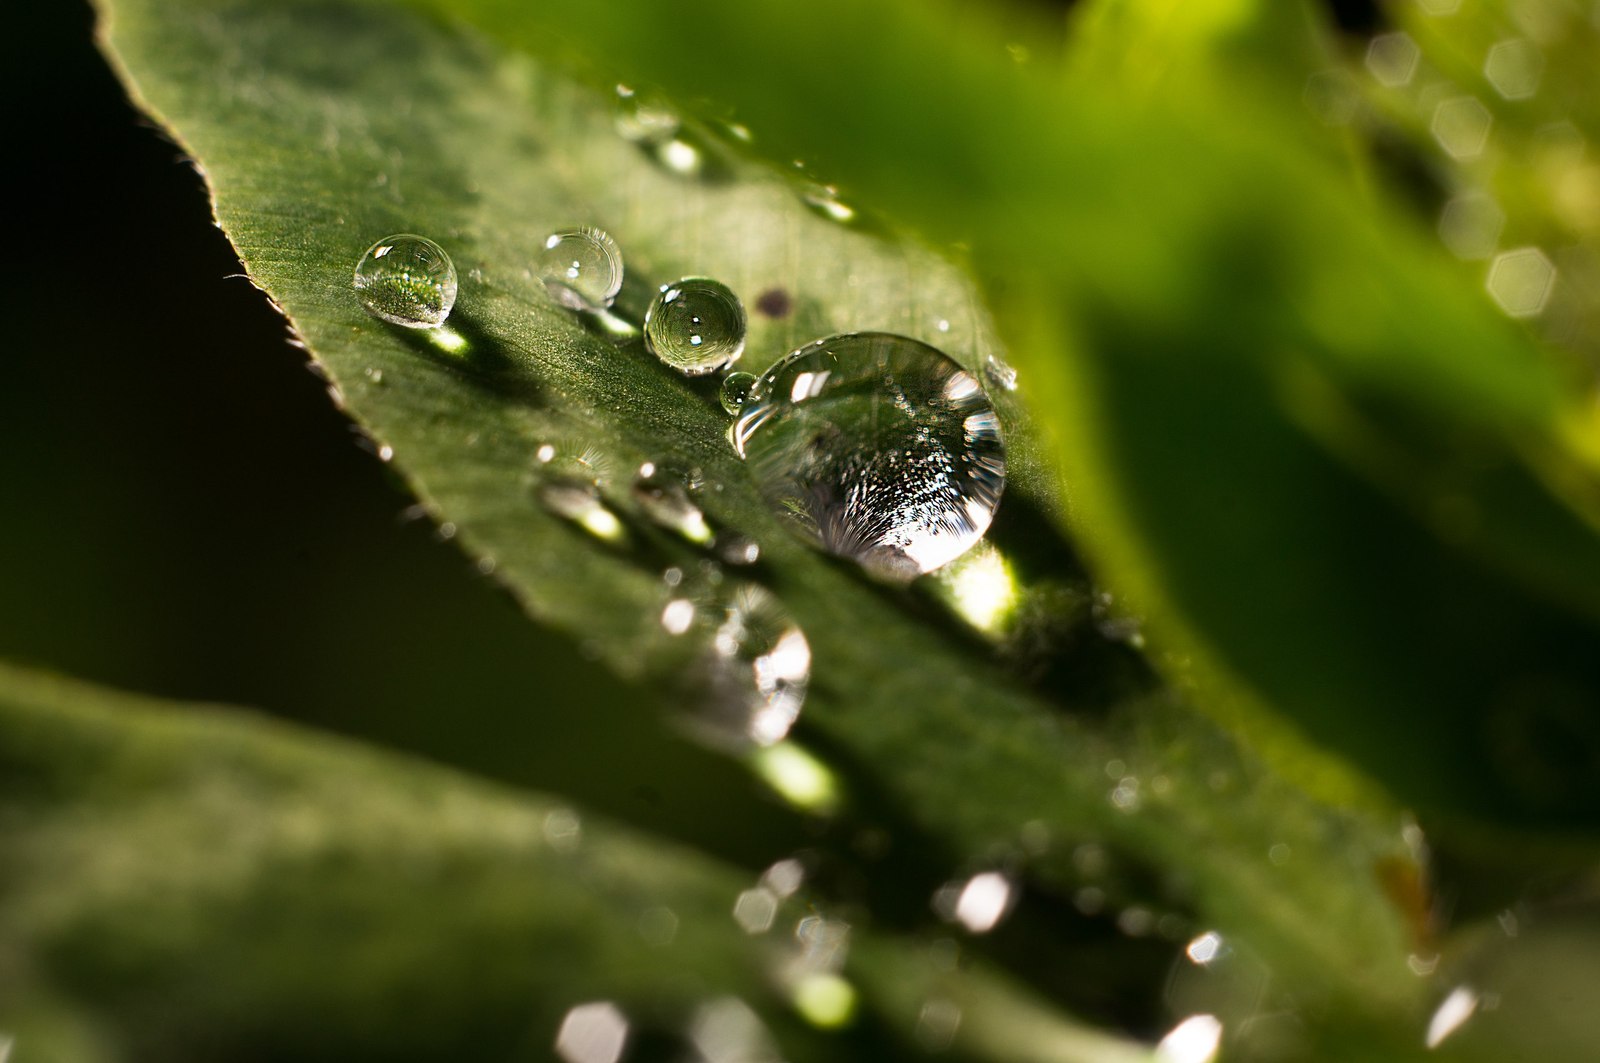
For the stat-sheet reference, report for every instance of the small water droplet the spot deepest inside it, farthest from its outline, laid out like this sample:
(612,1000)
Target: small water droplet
(824,200)
(877,448)
(735,549)
(374,375)
(644,119)
(754,679)
(579,501)
(386,453)
(999,373)
(736,390)
(695,325)
(581,268)
(406,280)
(664,499)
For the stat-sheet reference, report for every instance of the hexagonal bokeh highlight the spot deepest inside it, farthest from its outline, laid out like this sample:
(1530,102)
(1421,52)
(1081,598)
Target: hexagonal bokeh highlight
(1470,225)
(1514,68)
(592,1033)
(1332,96)
(1461,126)
(1392,58)
(1521,281)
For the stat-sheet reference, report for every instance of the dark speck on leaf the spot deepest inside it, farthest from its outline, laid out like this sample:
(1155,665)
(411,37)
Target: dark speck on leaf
(775,302)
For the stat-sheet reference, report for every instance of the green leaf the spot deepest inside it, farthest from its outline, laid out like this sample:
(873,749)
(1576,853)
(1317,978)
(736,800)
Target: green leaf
(1225,329)
(324,126)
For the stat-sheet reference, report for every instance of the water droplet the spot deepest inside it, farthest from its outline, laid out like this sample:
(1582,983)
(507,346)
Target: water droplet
(582,268)
(579,502)
(735,549)
(736,389)
(406,280)
(644,119)
(664,499)
(824,200)
(877,448)
(756,674)
(999,373)
(695,325)
(592,1033)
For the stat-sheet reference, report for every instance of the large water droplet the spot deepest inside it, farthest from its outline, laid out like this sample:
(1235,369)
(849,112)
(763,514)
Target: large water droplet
(582,268)
(696,325)
(878,448)
(407,280)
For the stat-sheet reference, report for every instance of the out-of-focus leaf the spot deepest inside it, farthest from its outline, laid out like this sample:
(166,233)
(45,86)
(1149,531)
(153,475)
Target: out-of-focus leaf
(198,882)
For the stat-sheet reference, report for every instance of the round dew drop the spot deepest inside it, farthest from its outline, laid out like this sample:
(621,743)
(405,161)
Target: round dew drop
(407,280)
(877,448)
(736,390)
(582,268)
(696,325)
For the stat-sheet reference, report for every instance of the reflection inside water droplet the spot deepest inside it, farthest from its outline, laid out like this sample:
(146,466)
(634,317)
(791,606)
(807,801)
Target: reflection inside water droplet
(406,280)
(878,448)
(581,268)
